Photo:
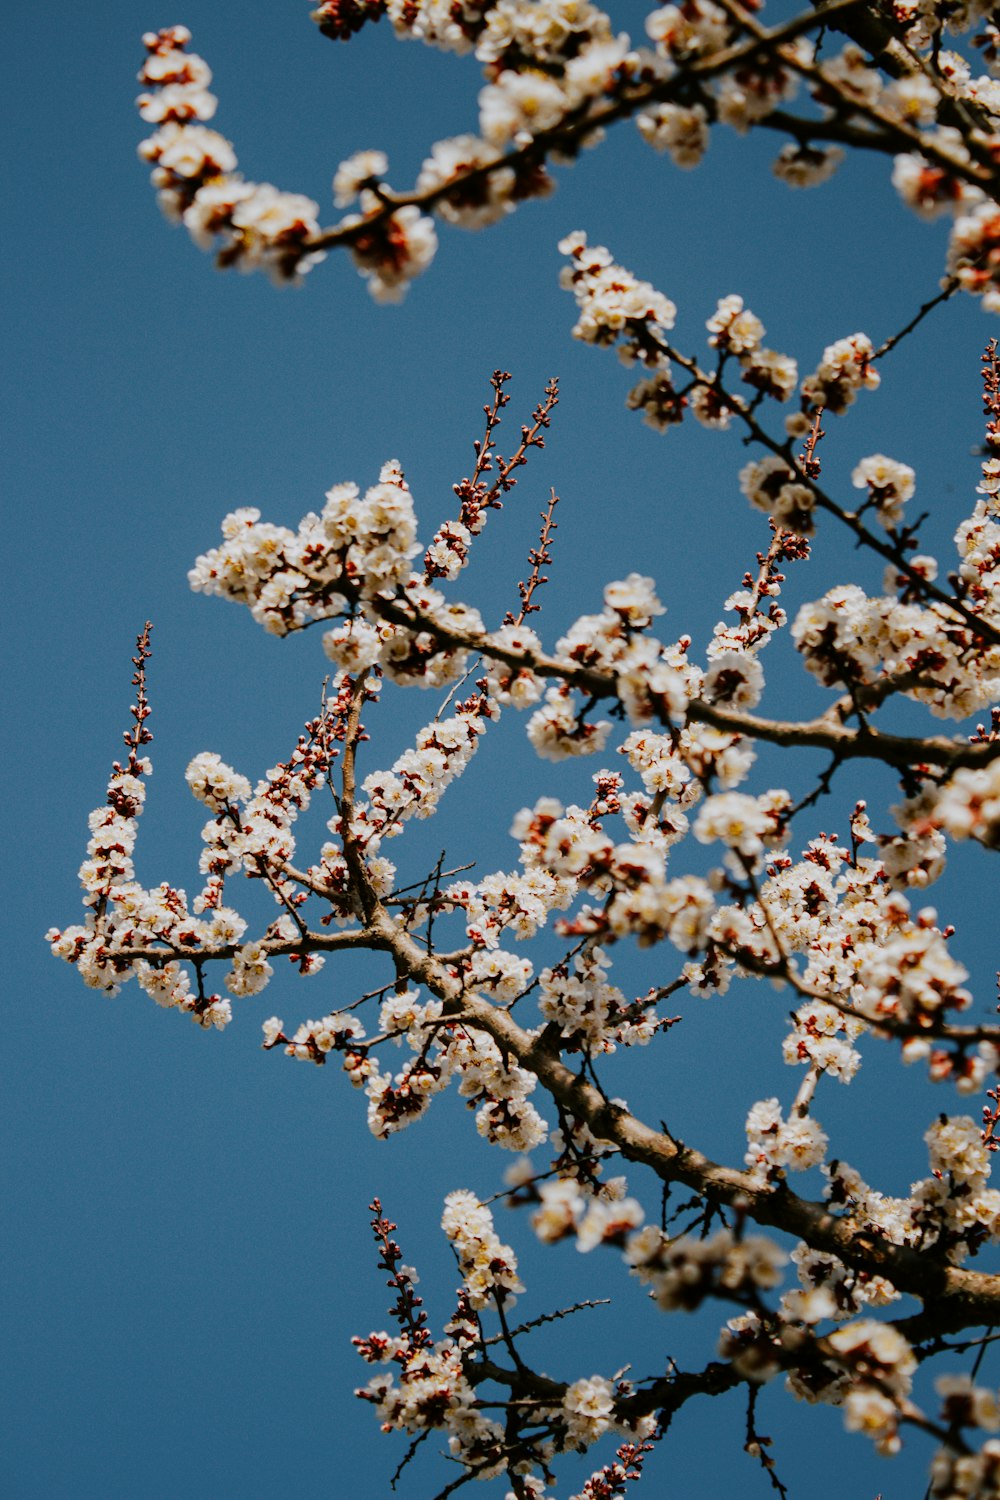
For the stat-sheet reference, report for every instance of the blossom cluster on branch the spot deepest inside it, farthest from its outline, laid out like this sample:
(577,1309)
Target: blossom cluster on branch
(841,924)
(558,75)
(684,851)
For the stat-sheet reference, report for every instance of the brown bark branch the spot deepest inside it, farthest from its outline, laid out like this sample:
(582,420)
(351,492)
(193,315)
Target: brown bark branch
(954,1298)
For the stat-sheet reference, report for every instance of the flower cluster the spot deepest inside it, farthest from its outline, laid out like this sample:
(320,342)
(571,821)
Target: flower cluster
(589,1407)
(615,308)
(313,1041)
(568,1209)
(357,547)
(589,1011)
(194,170)
(419,778)
(776,1144)
(772,486)
(505,1117)
(889,484)
(135,932)
(953,1209)
(639,902)
(956,1476)
(830,1290)
(821,1037)
(390,251)
(489,1268)
(681,1273)
(848,638)
(966,806)
(879,1364)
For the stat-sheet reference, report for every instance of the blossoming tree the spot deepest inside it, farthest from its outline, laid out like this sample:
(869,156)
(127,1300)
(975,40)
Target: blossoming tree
(845,1298)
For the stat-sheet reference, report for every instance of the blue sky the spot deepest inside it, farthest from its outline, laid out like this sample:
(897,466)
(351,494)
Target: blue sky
(188,1244)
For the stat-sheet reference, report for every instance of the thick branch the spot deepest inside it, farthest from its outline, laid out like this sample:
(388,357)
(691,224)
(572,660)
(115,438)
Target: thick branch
(863,743)
(954,1298)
